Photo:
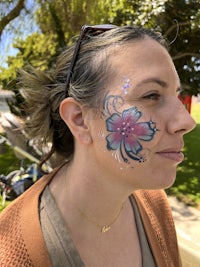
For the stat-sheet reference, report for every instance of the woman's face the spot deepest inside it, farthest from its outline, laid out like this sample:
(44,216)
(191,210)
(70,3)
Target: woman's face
(140,134)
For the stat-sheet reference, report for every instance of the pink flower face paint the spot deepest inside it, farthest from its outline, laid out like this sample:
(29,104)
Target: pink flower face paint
(126,132)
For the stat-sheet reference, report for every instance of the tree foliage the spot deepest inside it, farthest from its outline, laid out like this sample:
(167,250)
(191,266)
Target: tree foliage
(59,20)
(185,49)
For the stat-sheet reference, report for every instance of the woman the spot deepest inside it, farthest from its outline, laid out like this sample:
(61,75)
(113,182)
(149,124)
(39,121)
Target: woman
(110,108)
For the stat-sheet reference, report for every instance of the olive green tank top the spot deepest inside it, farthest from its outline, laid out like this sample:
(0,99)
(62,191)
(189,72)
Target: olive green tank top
(60,246)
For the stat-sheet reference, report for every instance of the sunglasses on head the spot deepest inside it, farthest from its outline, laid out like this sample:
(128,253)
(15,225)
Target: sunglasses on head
(84,30)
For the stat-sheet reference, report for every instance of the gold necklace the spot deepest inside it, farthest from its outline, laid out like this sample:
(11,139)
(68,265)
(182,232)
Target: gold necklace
(105,228)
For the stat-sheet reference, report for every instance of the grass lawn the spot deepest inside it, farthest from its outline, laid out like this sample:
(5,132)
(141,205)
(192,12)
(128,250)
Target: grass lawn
(8,163)
(187,184)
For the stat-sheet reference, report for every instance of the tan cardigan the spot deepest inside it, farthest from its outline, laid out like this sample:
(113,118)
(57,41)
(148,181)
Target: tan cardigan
(22,243)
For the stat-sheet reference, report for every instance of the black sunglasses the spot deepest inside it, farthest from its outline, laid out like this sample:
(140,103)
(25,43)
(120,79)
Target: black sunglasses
(84,30)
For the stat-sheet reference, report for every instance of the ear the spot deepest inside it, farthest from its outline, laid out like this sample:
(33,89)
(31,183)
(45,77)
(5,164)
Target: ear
(73,115)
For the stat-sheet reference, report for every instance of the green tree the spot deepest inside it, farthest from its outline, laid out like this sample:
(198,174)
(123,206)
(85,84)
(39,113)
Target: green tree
(59,20)
(185,48)
(179,21)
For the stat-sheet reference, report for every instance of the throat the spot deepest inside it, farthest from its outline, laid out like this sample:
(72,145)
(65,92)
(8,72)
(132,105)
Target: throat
(103,229)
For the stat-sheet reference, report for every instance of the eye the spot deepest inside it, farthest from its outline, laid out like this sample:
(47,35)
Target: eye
(152,96)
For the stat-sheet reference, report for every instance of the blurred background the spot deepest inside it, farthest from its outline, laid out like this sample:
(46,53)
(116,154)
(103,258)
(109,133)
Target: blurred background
(35,32)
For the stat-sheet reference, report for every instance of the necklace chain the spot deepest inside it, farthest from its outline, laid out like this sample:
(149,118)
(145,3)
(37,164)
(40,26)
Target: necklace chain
(105,228)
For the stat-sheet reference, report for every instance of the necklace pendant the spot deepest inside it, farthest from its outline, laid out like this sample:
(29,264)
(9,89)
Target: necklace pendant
(105,229)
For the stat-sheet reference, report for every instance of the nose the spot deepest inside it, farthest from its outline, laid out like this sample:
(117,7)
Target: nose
(181,120)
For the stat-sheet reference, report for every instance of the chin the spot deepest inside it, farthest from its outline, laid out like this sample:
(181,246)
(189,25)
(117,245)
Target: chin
(168,181)
(163,181)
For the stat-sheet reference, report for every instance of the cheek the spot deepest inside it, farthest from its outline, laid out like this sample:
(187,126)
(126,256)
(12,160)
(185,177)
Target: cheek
(128,134)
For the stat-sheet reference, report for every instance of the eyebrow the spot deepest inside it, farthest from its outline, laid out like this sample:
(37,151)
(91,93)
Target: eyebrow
(153,80)
(162,83)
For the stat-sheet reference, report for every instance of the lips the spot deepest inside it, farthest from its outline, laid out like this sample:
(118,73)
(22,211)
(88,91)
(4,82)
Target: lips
(173,154)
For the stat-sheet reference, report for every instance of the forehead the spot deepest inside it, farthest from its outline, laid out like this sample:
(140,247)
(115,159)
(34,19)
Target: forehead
(143,59)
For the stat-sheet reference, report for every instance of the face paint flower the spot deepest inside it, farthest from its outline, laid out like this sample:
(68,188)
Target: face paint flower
(126,132)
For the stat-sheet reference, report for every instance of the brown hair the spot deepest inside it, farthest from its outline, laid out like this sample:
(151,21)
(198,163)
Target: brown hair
(44,92)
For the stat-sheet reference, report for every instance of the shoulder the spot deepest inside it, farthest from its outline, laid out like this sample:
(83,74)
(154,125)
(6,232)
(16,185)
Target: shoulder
(20,227)
(17,205)
(155,210)
(152,200)
(11,237)
(159,225)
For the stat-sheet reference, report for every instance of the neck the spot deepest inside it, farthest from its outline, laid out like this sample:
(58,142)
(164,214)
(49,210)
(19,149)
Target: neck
(98,199)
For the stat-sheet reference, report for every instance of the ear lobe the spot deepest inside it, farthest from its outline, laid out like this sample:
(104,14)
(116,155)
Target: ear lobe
(72,114)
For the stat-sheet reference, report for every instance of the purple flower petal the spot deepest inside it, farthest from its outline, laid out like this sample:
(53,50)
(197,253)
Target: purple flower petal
(114,141)
(143,131)
(132,145)
(114,122)
(131,115)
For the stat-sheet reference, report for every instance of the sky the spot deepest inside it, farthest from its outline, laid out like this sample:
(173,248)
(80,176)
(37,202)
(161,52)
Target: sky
(21,27)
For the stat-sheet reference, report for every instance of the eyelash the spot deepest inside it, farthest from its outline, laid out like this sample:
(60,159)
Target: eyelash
(152,96)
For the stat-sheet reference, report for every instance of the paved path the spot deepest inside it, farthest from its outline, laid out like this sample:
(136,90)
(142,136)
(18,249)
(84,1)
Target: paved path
(187,222)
